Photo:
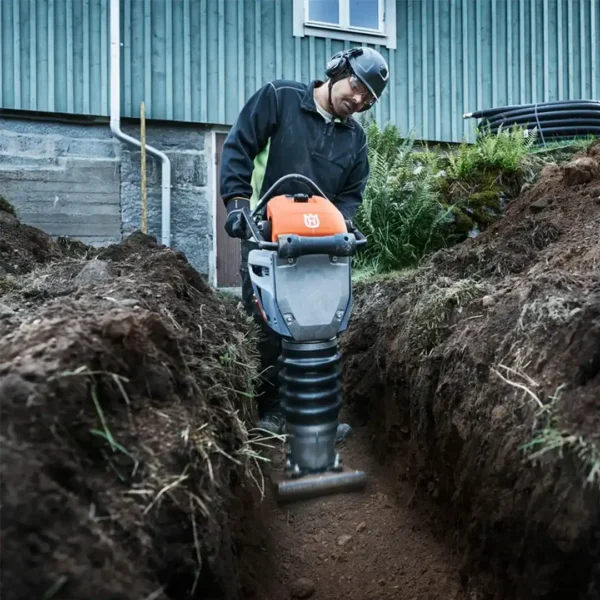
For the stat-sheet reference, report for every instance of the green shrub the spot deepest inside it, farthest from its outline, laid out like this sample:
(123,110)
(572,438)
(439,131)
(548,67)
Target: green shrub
(500,153)
(479,177)
(401,214)
(418,201)
(6,206)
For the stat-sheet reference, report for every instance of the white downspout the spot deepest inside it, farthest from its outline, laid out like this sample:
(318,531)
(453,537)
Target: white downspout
(115,119)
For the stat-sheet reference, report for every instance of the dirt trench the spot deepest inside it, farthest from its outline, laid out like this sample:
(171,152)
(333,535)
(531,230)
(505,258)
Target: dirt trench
(126,457)
(124,472)
(474,383)
(383,542)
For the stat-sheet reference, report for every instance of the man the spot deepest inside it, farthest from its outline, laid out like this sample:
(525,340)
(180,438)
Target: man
(289,127)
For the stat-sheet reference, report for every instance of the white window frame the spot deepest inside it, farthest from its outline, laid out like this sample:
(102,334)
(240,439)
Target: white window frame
(384,36)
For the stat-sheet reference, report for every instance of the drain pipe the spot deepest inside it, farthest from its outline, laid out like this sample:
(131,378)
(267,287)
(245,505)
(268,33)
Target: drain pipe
(115,119)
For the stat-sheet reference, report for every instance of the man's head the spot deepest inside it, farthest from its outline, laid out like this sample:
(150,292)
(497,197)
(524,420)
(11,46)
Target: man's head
(357,78)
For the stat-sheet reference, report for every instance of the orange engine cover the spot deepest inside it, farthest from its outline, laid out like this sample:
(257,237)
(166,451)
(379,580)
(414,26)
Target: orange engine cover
(313,218)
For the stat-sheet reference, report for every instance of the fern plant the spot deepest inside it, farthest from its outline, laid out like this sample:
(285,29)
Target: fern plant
(401,215)
(503,152)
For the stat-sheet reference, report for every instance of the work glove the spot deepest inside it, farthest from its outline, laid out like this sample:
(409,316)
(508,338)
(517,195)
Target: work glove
(235,224)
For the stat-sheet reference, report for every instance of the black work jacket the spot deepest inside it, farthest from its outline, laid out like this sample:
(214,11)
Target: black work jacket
(283,115)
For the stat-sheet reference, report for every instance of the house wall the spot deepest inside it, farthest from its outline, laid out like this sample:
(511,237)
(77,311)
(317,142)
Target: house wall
(62,178)
(198,61)
(75,179)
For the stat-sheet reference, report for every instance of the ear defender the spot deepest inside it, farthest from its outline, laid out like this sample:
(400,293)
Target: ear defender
(338,63)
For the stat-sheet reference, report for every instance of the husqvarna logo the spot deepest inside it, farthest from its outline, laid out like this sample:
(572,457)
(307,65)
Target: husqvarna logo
(311,221)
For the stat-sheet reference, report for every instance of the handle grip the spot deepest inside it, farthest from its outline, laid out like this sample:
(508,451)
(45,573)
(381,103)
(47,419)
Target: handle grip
(255,232)
(293,246)
(361,240)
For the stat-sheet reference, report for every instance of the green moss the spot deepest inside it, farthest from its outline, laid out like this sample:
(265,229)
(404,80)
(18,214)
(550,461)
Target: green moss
(463,223)
(486,198)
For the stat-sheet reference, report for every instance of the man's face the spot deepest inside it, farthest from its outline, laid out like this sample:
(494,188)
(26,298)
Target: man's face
(349,96)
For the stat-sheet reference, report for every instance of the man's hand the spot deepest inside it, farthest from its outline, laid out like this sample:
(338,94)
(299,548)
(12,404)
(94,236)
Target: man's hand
(235,224)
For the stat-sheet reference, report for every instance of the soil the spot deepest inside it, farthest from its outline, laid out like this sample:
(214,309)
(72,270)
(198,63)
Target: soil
(22,246)
(377,543)
(123,447)
(484,356)
(126,459)
(126,344)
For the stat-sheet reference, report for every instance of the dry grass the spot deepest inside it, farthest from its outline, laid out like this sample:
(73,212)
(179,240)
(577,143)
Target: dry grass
(435,300)
(550,310)
(9,284)
(549,437)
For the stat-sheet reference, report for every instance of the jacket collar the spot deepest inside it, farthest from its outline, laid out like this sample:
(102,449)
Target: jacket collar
(308,103)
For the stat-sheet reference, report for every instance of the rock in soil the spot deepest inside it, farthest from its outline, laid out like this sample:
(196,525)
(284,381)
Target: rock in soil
(581,170)
(6,311)
(93,271)
(303,588)
(539,205)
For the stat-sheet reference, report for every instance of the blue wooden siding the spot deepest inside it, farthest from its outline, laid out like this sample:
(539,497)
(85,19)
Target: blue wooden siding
(198,60)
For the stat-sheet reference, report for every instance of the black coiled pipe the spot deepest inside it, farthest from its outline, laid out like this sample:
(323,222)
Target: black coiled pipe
(552,123)
(528,117)
(553,120)
(557,105)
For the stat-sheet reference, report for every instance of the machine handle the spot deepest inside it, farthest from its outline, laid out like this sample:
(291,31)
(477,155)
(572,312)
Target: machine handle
(277,185)
(293,246)
(256,234)
(361,240)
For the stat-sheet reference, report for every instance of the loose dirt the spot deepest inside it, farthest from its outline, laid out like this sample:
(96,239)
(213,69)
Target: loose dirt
(124,450)
(22,246)
(378,543)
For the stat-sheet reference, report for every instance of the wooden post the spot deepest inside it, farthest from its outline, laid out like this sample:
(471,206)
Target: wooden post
(143,142)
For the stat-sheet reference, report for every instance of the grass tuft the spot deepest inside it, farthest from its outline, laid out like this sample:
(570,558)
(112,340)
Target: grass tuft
(435,303)
(7,207)
(555,440)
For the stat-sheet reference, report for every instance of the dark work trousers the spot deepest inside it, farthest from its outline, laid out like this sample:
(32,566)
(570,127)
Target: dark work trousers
(270,342)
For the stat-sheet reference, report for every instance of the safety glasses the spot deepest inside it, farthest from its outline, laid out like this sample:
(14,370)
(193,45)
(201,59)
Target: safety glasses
(358,87)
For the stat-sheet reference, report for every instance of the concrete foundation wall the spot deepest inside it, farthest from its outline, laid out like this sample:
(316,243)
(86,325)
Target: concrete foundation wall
(62,178)
(78,181)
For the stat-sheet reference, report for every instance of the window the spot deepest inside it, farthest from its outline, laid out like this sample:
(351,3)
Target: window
(346,14)
(360,21)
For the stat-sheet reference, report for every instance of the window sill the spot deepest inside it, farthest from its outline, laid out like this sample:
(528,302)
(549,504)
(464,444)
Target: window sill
(350,30)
